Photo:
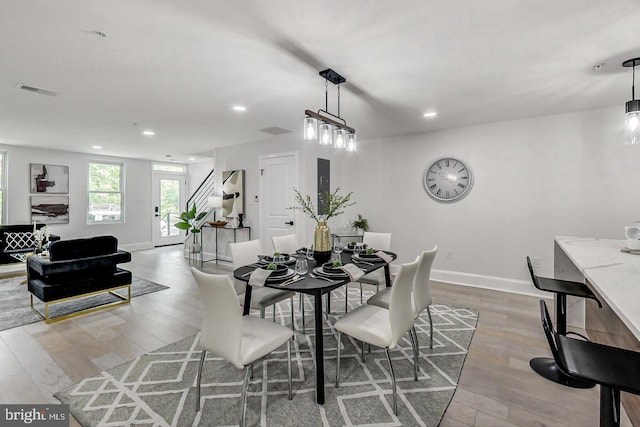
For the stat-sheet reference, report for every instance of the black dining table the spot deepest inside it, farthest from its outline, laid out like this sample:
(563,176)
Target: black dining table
(315,287)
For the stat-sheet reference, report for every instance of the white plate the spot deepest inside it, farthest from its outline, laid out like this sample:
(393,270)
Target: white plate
(320,272)
(291,260)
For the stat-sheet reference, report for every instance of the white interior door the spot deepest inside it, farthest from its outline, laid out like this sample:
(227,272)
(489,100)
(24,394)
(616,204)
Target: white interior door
(278,178)
(168,201)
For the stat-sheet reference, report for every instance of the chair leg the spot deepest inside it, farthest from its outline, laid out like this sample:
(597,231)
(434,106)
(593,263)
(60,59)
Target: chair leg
(393,383)
(274,312)
(262,312)
(251,371)
(430,327)
(204,354)
(361,300)
(338,362)
(304,328)
(243,403)
(415,336)
(363,344)
(415,354)
(609,406)
(289,367)
(293,326)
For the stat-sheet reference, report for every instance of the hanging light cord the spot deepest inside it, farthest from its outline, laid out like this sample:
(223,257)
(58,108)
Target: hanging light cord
(633,83)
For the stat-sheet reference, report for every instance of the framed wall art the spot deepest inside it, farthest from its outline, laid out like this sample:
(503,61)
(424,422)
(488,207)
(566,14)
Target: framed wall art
(232,193)
(50,209)
(49,178)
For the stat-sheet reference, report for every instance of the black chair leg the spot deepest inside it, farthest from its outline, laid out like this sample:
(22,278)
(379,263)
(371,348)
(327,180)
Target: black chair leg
(546,367)
(609,407)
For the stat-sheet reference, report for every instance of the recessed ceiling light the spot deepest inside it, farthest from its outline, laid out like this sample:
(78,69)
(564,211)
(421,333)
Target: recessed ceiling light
(97,147)
(430,114)
(148,132)
(192,158)
(239,108)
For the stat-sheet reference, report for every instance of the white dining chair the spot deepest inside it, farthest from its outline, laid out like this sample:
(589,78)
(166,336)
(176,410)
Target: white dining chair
(381,327)
(379,241)
(226,333)
(288,244)
(421,295)
(245,253)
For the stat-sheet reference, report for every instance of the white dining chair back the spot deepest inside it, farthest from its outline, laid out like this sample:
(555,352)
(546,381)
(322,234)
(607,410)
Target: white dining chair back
(221,307)
(287,244)
(245,253)
(400,305)
(421,287)
(381,241)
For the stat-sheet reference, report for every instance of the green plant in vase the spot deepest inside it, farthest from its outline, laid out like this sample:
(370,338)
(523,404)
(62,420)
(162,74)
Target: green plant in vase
(361,223)
(189,221)
(334,204)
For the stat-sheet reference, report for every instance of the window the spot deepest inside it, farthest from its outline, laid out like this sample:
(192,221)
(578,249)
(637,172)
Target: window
(106,197)
(163,167)
(2,185)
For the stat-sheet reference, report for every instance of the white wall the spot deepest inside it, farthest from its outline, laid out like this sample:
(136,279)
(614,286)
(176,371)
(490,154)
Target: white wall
(537,178)
(135,232)
(567,174)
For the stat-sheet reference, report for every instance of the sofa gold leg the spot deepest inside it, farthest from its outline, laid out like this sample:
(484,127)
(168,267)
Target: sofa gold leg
(47,319)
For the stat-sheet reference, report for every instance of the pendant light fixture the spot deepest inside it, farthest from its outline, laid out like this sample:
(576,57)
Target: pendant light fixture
(334,129)
(632,108)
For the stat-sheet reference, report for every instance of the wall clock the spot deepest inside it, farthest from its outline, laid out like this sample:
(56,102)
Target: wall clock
(448,179)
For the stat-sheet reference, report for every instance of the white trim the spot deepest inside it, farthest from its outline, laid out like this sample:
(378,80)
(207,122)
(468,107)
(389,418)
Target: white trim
(136,246)
(521,287)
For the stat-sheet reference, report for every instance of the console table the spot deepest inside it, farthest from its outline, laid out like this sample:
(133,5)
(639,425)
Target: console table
(614,277)
(235,239)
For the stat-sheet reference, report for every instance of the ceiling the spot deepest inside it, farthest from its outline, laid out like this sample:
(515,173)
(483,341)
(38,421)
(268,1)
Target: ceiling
(177,67)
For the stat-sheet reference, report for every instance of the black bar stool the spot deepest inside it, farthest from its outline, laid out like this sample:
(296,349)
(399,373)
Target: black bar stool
(546,366)
(615,369)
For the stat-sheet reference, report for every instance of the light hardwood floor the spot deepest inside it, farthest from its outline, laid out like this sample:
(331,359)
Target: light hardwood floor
(497,387)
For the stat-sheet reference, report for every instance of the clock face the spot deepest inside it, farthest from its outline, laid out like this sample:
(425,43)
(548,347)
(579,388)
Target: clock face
(448,179)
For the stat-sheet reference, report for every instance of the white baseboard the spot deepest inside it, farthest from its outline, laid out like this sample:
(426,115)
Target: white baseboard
(137,246)
(523,287)
(503,284)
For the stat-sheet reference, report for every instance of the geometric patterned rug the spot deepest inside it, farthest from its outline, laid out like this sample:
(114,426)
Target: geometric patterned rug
(158,388)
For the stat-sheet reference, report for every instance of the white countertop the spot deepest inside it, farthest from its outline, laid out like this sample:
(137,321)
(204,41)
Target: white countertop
(614,274)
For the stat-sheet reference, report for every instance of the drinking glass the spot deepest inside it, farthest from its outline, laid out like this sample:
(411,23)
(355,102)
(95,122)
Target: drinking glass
(302,266)
(310,252)
(335,257)
(338,248)
(278,260)
(357,249)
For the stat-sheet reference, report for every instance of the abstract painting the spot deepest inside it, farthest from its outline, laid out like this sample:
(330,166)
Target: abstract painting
(232,193)
(50,209)
(49,178)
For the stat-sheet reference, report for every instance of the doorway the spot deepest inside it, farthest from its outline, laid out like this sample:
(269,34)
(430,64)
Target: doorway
(168,201)
(278,178)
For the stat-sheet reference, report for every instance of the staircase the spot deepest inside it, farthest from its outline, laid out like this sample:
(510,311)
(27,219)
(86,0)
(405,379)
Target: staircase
(199,197)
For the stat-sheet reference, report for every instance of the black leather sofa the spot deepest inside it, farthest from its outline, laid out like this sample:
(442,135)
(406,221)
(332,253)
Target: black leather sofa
(75,269)
(17,240)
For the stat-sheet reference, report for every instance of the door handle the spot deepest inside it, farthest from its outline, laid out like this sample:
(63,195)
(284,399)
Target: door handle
(289,222)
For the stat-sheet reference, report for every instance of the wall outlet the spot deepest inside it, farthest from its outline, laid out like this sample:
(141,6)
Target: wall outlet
(535,261)
(450,254)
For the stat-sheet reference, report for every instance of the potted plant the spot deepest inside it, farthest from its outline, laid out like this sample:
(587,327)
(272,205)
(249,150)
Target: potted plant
(189,221)
(335,205)
(361,224)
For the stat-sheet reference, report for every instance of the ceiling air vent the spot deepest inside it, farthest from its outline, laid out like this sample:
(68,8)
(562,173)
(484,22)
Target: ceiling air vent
(36,89)
(275,130)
